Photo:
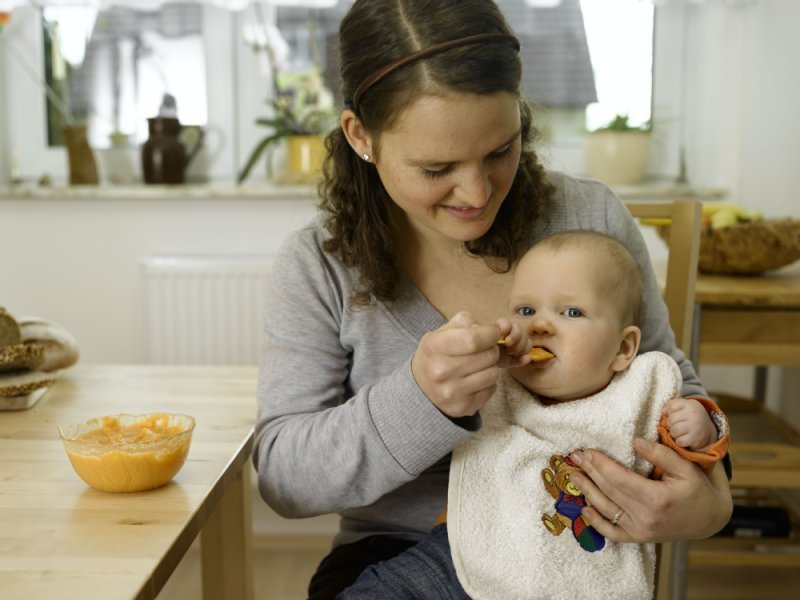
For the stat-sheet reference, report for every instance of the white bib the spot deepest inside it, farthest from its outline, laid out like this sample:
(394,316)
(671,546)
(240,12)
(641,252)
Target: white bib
(498,501)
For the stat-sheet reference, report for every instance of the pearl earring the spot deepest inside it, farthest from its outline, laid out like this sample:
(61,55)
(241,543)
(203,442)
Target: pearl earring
(365,156)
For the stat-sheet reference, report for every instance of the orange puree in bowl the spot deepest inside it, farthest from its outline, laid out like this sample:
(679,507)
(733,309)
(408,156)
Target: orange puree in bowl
(127,453)
(145,429)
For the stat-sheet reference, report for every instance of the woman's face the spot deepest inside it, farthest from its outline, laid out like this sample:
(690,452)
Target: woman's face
(449,162)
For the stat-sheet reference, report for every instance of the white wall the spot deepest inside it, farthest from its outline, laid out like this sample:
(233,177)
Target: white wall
(743,116)
(4,158)
(743,91)
(76,261)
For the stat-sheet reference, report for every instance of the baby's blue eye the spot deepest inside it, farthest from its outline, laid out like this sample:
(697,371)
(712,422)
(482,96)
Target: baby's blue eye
(573,312)
(526,311)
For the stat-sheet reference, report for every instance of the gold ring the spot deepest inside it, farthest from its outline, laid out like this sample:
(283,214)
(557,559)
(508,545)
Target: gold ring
(617,516)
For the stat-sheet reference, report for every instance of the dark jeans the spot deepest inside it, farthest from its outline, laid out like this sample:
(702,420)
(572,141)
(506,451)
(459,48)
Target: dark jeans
(423,572)
(345,563)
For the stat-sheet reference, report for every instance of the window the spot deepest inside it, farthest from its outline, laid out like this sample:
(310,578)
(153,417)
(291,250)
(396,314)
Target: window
(586,57)
(114,68)
(584,62)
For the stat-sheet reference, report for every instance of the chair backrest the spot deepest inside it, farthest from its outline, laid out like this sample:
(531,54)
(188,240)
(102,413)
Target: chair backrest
(684,248)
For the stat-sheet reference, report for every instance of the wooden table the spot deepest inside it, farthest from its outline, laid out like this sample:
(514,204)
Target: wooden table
(61,539)
(750,321)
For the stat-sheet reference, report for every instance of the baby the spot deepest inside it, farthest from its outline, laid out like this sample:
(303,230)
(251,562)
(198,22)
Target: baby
(514,525)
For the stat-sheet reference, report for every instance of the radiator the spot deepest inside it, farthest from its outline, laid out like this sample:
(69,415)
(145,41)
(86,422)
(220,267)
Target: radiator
(203,309)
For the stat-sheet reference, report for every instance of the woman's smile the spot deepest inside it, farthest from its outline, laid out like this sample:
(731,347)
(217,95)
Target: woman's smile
(466,213)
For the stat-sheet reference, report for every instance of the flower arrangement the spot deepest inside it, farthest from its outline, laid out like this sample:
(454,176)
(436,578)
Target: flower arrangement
(302,105)
(82,165)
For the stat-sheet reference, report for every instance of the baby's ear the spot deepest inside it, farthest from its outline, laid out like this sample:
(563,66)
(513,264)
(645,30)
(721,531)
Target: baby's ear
(628,347)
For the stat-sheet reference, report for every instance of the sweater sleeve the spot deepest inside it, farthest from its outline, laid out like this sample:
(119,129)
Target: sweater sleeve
(328,440)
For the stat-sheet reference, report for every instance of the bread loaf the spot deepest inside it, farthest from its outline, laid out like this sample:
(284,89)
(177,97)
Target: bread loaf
(59,346)
(21,357)
(17,384)
(9,329)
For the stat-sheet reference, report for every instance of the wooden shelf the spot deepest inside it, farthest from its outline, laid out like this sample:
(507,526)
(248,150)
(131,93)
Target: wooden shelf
(755,551)
(765,450)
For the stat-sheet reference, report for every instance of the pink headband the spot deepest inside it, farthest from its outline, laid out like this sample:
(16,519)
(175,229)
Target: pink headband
(435,49)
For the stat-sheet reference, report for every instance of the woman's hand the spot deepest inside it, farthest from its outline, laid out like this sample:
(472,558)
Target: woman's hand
(456,365)
(684,504)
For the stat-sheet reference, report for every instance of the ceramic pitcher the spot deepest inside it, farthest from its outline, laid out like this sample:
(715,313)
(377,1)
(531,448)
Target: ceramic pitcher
(164,157)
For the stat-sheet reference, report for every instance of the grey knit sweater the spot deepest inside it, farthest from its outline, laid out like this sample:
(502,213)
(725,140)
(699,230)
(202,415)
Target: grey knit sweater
(342,426)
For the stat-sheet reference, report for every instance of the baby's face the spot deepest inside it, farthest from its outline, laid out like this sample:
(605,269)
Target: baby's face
(556,298)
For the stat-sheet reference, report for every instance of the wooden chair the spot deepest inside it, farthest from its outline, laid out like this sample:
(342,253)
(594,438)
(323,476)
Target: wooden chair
(681,276)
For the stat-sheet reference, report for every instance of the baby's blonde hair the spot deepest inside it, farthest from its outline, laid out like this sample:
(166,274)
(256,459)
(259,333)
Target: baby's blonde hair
(623,284)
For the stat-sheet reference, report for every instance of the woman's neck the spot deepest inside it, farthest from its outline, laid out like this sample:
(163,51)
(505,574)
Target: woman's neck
(453,280)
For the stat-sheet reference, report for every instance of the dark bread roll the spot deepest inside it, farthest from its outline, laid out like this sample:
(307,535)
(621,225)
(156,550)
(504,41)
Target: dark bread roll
(9,329)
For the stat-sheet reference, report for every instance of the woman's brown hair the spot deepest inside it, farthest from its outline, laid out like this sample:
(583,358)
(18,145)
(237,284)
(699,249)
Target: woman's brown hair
(354,203)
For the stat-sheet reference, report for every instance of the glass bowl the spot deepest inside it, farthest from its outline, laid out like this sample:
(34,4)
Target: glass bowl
(128,453)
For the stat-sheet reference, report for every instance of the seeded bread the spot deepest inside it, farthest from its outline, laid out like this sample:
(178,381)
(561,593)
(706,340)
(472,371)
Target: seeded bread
(17,384)
(21,357)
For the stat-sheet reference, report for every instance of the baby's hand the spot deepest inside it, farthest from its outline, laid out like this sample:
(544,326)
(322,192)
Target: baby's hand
(689,424)
(516,345)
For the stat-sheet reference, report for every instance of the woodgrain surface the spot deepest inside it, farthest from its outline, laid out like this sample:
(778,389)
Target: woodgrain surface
(774,289)
(750,320)
(61,539)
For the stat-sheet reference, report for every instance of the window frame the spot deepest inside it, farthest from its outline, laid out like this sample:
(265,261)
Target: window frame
(236,98)
(25,118)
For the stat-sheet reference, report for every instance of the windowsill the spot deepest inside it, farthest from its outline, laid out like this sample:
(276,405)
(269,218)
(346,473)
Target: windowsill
(648,190)
(664,189)
(264,191)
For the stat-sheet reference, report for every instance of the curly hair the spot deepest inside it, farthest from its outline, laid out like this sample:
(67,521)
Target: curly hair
(354,203)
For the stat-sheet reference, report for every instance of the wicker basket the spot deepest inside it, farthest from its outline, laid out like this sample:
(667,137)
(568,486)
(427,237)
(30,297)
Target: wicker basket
(747,248)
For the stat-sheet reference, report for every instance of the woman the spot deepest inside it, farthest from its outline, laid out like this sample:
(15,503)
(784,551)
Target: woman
(378,346)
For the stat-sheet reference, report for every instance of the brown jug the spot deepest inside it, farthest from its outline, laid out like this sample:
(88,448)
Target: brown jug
(82,166)
(164,157)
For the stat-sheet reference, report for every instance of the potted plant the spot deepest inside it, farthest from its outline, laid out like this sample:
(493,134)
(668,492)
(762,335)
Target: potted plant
(619,152)
(303,113)
(80,157)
